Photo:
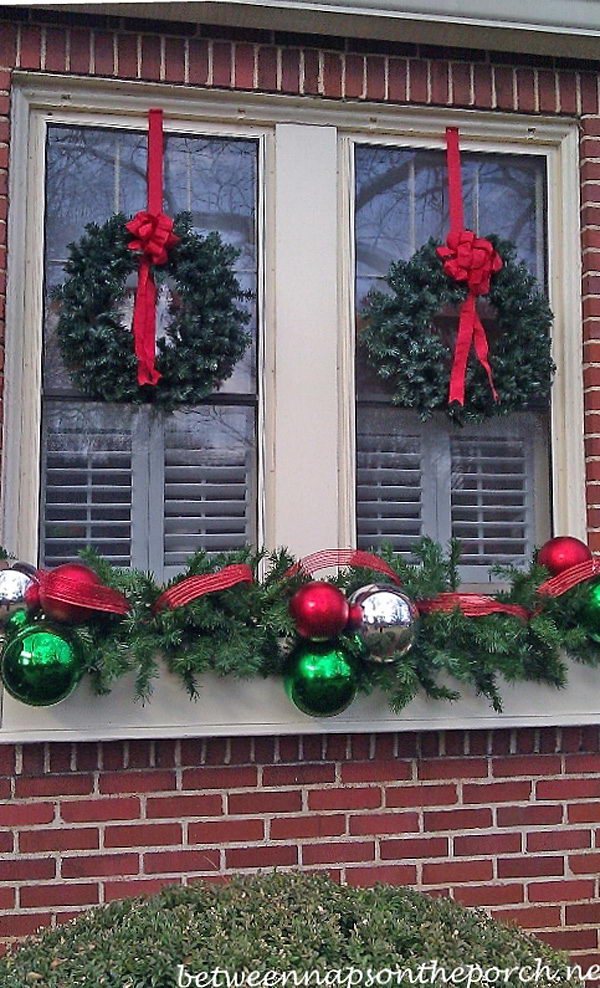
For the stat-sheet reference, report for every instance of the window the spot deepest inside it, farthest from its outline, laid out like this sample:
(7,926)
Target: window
(273,457)
(486,485)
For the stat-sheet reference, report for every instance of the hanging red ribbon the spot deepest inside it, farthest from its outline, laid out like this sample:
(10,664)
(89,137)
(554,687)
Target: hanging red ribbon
(194,587)
(341,557)
(153,233)
(469,259)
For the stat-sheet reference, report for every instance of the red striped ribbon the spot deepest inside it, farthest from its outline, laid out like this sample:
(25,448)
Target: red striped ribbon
(68,591)
(471,605)
(341,557)
(570,578)
(193,587)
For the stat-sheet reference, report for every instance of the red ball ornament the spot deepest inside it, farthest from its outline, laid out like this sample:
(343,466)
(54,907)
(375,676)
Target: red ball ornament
(79,576)
(355,617)
(562,552)
(320,611)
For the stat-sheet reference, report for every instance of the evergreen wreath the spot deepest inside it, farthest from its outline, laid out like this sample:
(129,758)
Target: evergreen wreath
(206,337)
(404,348)
(246,631)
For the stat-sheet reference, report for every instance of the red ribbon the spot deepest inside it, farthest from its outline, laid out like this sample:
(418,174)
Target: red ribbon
(471,605)
(570,578)
(153,233)
(341,557)
(473,260)
(194,587)
(65,590)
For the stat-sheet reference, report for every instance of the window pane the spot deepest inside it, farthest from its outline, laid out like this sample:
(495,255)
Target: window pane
(485,485)
(145,488)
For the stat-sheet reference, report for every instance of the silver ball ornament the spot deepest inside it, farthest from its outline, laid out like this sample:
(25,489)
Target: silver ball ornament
(389,621)
(15,578)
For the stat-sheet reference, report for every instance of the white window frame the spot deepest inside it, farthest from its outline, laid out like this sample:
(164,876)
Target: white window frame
(305,363)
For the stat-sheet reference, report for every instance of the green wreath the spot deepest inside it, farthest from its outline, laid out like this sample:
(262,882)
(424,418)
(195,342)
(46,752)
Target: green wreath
(403,346)
(206,337)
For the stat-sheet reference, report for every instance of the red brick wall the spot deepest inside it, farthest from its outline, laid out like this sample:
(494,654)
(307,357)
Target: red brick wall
(507,820)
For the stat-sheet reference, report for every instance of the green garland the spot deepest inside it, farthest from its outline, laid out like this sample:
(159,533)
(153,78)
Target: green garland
(403,347)
(206,337)
(246,631)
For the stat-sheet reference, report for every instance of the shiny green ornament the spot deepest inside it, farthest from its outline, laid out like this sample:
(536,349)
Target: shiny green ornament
(16,622)
(591,612)
(320,679)
(40,666)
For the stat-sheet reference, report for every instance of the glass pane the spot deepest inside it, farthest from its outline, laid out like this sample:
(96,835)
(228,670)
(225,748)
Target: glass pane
(215,179)
(486,485)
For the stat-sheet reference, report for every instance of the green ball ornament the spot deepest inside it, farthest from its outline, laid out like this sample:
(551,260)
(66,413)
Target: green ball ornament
(16,622)
(40,666)
(320,679)
(591,612)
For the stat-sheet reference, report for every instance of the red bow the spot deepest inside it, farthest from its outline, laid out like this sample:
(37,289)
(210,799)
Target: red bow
(154,235)
(471,259)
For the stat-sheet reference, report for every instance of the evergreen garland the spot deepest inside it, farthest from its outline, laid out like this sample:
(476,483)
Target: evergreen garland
(404,348)
(206,337)
(246,631)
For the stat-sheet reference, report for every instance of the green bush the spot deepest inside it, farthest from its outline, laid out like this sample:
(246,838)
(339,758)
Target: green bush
(279,923)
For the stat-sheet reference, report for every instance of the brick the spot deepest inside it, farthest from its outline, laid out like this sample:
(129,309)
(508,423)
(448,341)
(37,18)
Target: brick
(584,864)
(296,827)
(174,59)
(582,764)
(31,46)
(290,70)
(198,62)
(113,755)
(567,85)
(440,70)
(332,74)
(504,84)
(143,835)
(421,795)
(375,78)
(125,808)
(154,780)
(360,798)
(457,871)
(99,865)
(226,831)
(27,869)
(175,862)
(461,84)
(260,857)
(355,69)
(59,757)
(312,748)
(298,775)
(79,50)
(384,823)
(589,172)
(497,792)
(453,768)
(183,806)
(414,847)
(225,777)
(562,840)
(584,915)
(139,754)
(570,939)
(588,83)
(150,57)
(489,895)
(33,758)
(531,917)
(337,852)
(7,842)
(32,896)
(127,56)
(397,78)
(26,814)
(165,753)
(244,66)
(8,45)
(289,749)
(56,49)
(530,867)
(54,785)
(215,751)
(376,771)
(492,844)
(143,886)
(265,802)
(525,90)
(8,898)
(561,891)
(528,766)
(104,53)
(59,839)
(547,91)
(222,64)
(528,816)
(457,819)
(311,72)
(267,68)
(482,85)
(391,874)
(23,924)
(568,789)
(7,751)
